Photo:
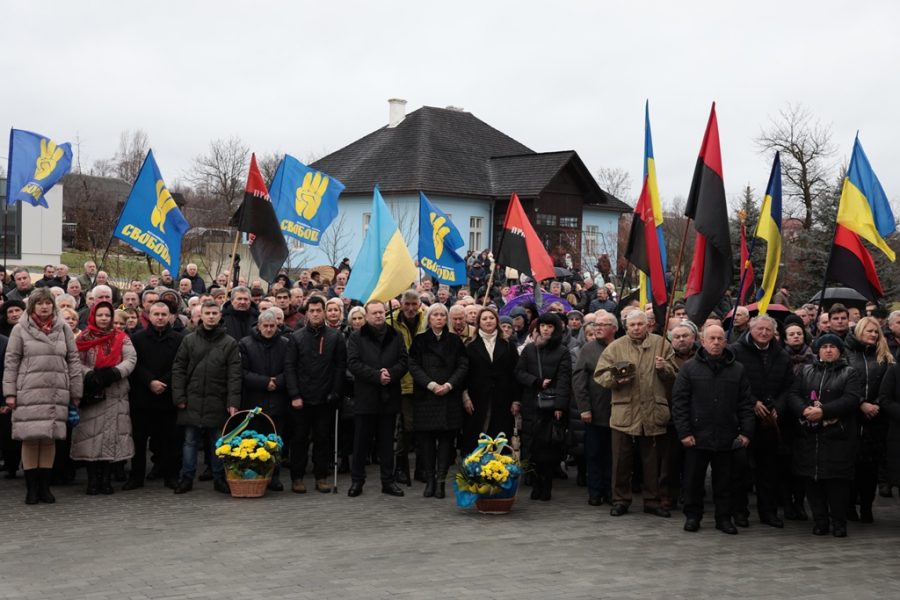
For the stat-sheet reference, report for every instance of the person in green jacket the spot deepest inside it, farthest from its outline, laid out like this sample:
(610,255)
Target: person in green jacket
(206,389)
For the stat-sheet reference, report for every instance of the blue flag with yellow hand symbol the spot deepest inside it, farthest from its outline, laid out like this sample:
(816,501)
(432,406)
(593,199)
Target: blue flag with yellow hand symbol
(439,239)
(36,163)
(306,200)
(151,221)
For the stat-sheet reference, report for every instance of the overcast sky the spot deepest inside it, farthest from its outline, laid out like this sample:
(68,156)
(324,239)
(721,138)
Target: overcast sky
(311,77)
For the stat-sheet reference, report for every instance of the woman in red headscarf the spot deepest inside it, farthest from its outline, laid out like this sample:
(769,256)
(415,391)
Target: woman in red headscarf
(103,435)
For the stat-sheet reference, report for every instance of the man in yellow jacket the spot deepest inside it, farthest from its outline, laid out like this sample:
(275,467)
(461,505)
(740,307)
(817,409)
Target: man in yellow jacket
(409,321)
(637,368)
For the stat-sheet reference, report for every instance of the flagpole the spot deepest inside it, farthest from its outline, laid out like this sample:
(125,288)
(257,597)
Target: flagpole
(237,235)
(744,271)
(825,277)
(490,281)
(670,299)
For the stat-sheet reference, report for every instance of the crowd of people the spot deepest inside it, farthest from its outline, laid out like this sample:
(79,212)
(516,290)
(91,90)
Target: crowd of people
(804,410)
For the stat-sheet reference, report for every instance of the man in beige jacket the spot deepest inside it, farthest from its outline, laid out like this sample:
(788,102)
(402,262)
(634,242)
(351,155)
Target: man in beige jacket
(640,411)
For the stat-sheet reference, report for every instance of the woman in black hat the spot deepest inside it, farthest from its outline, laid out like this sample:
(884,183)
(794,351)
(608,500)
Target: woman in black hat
(545,372)
(825,399)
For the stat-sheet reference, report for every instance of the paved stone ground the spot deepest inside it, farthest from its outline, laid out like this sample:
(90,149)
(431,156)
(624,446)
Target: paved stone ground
(150,543)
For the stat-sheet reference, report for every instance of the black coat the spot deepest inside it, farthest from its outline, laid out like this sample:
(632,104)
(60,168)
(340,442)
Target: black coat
(588,395)
(492,387)
(711,401)
(261,359)
(826,452)
(369,351)
(770,371)
(316,364)
(442,360)
(889,400)
(239,323)
(872,432)
(555,364)
(156,352)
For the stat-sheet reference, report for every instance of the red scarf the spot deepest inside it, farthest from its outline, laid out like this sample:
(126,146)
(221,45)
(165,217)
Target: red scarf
(45,325)
(107,342)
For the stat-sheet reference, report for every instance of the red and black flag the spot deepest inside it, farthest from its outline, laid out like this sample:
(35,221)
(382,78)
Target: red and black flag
(520,247)
(852,265)
(712,268)
(256,217)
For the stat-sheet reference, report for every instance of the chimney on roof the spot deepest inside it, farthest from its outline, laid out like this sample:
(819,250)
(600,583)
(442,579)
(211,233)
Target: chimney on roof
(397,111)
(456,108)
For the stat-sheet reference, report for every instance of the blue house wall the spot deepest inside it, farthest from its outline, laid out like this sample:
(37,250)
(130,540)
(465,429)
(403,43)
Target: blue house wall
(599,235)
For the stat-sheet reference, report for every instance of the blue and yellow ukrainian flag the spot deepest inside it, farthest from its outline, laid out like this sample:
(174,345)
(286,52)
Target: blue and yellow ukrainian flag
(769,228)
(651,189)
(864,208)
(384,267)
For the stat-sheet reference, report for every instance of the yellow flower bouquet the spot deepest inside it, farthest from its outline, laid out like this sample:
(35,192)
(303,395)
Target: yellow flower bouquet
(491,471)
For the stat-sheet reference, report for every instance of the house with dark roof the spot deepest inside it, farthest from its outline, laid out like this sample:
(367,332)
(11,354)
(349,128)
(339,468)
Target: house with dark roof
(468,169)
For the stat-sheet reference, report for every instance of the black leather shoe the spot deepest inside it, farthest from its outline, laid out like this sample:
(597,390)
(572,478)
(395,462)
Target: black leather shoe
(391,489)
(772,521)
(429,487)
(726,526)
(820,529)
(276,486)
(184,486)
(441,490)
(206,475)
(132,484)
(618,510)
(692,525)
(170,482)
(221,486)
(355,490)
(839,530)
(595,500)
(535,493)
(402,477)
(742,521)
(658,511)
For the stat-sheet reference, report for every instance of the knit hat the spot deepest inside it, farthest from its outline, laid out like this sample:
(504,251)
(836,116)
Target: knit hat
(577,314)
(506,319)
(828,338)
(793,319)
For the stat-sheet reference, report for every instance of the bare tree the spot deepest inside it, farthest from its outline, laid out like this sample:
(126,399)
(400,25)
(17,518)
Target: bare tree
(335,242)
(104,167)
(220,173)
(805,146)
(268,164)
(615,181)
(130,156)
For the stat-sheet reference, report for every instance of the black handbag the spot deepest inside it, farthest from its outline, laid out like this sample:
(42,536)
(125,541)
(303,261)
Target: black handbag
(94,392)
(546,400)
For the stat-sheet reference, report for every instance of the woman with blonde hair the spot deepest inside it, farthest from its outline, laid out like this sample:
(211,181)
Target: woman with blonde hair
(334,313)
(42,374)
(868,353)
(69,316)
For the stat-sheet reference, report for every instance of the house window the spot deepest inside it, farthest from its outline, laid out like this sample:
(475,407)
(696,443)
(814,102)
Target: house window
(568,222)
(476,233)
(591,240)
(546,220)
(366,219)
